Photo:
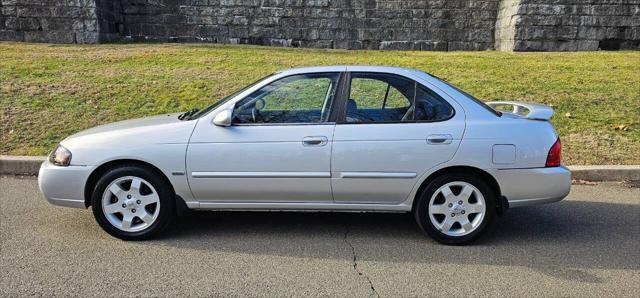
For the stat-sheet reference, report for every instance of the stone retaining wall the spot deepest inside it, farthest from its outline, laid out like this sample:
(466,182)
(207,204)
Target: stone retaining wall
(55,21)
(520,25)
(368,24)
(570,25)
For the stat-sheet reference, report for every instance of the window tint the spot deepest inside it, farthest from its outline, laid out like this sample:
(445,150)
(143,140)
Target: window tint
(294,99)
(430,106)
(379,98)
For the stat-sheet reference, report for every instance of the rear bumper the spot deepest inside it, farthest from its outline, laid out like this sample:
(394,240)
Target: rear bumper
(525,187)
(63,186)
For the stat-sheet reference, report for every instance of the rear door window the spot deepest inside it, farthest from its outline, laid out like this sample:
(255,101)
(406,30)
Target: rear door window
(377,97)
(389,98)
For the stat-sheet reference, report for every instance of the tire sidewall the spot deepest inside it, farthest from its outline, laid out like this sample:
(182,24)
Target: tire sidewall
(421,211)
(167,205)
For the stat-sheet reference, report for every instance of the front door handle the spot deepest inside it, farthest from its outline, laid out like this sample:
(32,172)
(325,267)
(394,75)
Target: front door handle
(314,141)
(439,139)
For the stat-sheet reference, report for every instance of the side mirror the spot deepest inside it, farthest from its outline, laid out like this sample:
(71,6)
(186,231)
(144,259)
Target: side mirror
(223,118)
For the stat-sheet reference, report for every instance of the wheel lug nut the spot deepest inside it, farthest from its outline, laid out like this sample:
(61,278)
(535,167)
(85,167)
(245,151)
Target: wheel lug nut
(133,210)
(453,214)
(138,202)
(450,205)
(462,212)
(459,202)
(128,196)
(124,205)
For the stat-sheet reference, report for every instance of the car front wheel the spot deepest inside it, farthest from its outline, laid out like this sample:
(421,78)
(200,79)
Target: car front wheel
(456,208)
(132,203)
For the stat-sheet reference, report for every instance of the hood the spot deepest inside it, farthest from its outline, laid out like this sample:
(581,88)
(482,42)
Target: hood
(129,124)
(135,139)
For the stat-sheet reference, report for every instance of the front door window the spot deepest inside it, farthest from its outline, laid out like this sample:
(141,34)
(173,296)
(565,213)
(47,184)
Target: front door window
(303,98)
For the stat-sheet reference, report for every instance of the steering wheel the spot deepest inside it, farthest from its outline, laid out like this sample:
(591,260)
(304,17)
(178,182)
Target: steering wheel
(255,111)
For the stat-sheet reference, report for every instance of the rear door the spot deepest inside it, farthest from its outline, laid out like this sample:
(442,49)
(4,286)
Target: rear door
(392,129)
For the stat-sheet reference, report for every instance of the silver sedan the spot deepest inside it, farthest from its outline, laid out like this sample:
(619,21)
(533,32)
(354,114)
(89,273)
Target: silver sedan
(338,138)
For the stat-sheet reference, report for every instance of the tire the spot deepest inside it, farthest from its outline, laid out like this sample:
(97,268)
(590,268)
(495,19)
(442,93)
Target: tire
(133,203)
(441,214)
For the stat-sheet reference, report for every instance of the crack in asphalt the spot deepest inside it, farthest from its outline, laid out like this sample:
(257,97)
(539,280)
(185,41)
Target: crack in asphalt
(355,262)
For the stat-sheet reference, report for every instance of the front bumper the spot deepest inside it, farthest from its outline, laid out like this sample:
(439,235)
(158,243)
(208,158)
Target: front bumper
(525,187)
(63,186)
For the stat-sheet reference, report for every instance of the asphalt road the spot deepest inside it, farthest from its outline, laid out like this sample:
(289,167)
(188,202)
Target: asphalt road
(586,245)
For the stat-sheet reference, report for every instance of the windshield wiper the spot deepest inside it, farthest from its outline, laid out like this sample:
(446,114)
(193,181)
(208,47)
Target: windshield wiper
(187,115)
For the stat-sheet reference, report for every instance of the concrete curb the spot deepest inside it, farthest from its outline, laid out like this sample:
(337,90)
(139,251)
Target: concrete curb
(20,165)
(606,173)
(29,165)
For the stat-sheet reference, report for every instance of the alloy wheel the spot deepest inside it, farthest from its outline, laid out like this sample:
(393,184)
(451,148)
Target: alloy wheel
(130,204)
(457,208)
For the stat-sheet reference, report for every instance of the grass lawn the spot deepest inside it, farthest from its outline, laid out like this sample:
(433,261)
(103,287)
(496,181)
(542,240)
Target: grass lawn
(50,91)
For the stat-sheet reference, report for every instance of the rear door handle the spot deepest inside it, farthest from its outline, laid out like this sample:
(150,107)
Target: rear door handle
(439,139)
(314,141)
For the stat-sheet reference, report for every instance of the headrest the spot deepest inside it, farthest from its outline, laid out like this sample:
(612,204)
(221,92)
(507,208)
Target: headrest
(351,105)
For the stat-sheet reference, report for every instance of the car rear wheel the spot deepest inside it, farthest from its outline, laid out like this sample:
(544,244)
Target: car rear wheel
(455,208)
(132,203)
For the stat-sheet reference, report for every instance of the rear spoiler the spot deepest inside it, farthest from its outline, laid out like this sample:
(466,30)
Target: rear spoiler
(524,109)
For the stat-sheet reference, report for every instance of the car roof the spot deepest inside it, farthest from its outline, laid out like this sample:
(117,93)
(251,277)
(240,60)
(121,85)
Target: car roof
(353,68)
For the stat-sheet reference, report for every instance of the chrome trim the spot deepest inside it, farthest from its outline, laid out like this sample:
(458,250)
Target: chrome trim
(289,206)
(378,175)
(260,174)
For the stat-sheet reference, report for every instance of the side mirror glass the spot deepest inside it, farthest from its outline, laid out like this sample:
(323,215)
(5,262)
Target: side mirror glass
(223,118)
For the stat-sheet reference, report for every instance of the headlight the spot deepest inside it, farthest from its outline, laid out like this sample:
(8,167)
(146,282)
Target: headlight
(60,157)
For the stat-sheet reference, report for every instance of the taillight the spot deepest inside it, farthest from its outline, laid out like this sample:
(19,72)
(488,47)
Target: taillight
(553,158)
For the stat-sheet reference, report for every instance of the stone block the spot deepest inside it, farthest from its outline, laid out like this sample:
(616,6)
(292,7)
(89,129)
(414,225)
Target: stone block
(173,19)
(30,24)
(630,45)
(34,11)
(468,46)
(433,45)
(348,44)
(238,32)
(50,36)
(399,45)
(8,10)
(11,35)
(321,44)
(87,37)
(527,46)
(542,9)
(213,30)
(11,23)
(90,25)
(60,24)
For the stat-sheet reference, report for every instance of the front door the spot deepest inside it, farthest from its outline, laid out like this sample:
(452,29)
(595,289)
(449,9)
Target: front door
(278,148)
(392,131)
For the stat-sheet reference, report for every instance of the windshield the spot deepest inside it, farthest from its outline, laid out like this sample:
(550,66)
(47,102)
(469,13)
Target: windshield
(222,101)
